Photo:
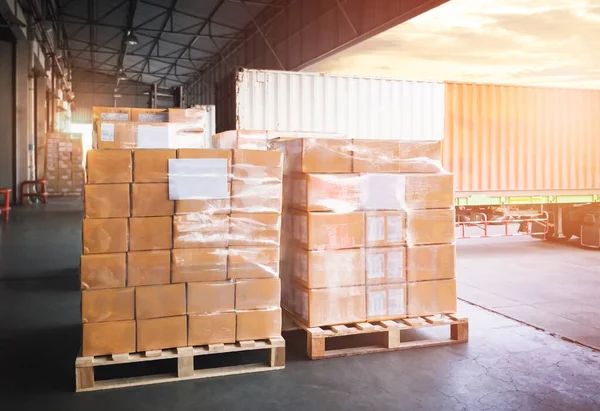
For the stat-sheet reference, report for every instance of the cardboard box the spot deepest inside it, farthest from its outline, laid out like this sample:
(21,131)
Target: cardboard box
(430,262)
(198,264)
(385,265)
(112,134)
(257,294)
(252,262)
(156,301)
(375,156)
(431,297)
(330,306)
(64,174)
(150,233)
(108,338)
(386,302)
(254,229)
(216,328)
(421,156)
(107,201)
(318,155)
(385,228)
(151,200)
(317,231)
(200,231)
(111,304)
(206,153)
(152,166)
(52,186)
(259,166)
(64,166)
(111,114)
(152,115)
(210,298)
(252,196)
(258,324)
(162,333)
(79,176)
(205,206)
(430,227)
(109,166)
(106,235)
(189,135)
(148,268)
(65,186)
(187,115)
(103,271)
(326,192)
(330,268)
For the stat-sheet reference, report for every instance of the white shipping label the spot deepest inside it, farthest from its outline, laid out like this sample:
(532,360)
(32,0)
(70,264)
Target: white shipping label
(397,304)
(107,132)
(395,232)
(154,117)
(383,192)
(114,117)
(377,303)
(302,266)
(152,136)
(375,265)
(196,179)
(395,264)
(375,229)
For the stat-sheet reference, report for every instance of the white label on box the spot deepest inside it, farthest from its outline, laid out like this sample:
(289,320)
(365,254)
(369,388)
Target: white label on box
(107,132)
(302,266)
(196,179)
(377,303)
(149,136)
(375,229)
(375,264)
(383,192)
(395,232)
(154,117)
(395,264)
(301,190)
(397,305)
(114,117)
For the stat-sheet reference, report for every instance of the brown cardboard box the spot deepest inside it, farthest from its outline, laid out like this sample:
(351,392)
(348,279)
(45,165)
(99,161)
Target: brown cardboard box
(151,200)
(199,264)
(257,294)
(375,156)
(225,139)
(385,265)
(431,297)
(162,333)
(200,230)
(253,262)
(187,115)
(420,156)
(154,301)
(150,233)
(65,166)
(52,175)
(318,155)
(330,306)
(111,114)
(210,298)
(430,262)
(107,200)
(111,304)
(258,324)
(328,230)
(216,328)
(152,166)
(326,192)
(52,186)
(253,196)
(65,186)
(113,134)
(152,115)
(241,139)
(385,228)
(429,191)
(79,176)
(108,166)
(256,165)
(108,338)
(386,302)
(330,268)
(430,227)
(206,153)
(102,271)
(254,229)
(64,174)
(106,235)
(148,268)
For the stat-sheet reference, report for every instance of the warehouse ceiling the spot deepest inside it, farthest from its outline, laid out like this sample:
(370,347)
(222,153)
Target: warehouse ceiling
(175,38)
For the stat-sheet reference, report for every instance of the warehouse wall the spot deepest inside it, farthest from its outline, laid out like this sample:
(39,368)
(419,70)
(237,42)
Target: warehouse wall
(7,115)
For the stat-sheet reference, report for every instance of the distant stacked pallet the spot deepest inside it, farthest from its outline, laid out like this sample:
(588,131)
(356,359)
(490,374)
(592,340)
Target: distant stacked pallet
(65,173)
(180,250)
(368,232)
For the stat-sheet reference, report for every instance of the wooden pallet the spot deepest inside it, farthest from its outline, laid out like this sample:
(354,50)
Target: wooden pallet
(84,366)
(390,332)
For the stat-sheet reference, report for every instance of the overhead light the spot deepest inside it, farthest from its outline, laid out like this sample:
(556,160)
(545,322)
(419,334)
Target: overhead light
(131,39)
(122,76)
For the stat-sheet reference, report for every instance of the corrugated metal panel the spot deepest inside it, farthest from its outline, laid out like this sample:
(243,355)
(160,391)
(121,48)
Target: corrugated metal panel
(359,107)
(512,139)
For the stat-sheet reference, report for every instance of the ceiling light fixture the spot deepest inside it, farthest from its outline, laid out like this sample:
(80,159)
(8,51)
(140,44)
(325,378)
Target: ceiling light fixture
(131,39)
(122,76)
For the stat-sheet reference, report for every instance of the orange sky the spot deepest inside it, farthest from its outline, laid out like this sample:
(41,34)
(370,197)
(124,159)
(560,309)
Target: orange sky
(533,42)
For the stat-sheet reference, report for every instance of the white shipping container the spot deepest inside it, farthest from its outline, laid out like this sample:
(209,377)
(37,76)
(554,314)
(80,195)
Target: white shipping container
(359,107)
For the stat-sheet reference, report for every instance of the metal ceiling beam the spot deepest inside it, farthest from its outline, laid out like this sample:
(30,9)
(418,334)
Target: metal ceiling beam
(115,52)
(133,4)
(92,16)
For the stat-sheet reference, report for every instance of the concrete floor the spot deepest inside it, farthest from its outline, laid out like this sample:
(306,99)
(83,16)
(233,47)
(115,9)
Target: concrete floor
(506,365)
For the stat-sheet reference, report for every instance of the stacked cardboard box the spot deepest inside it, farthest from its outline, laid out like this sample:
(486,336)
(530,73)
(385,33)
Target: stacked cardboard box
(259,139)
(64,163)
(368,231)
(180,248)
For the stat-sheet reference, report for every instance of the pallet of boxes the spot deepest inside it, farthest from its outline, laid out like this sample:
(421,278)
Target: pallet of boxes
(368,245)
(180,261)
(64,168)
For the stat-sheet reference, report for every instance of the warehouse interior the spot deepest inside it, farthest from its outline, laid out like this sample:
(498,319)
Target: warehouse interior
(62,58)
